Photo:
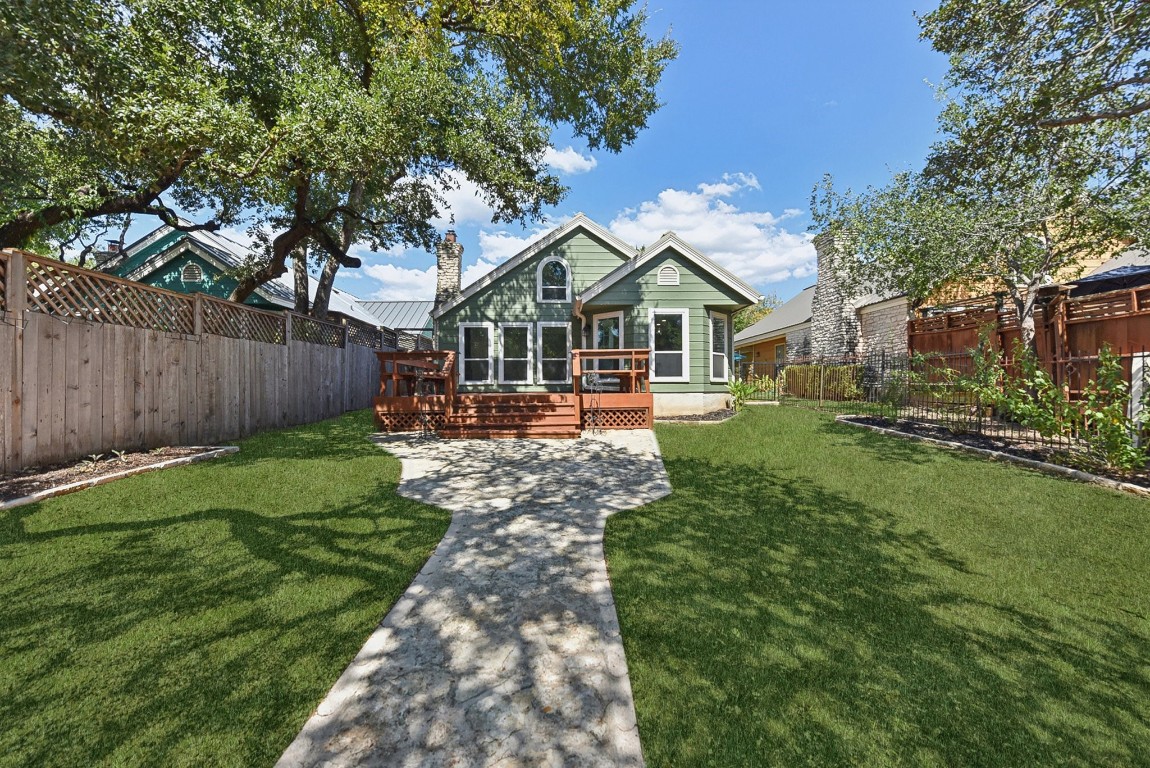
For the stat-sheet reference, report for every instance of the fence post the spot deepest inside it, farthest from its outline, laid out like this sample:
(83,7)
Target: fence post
(15,302)
(346,369)
(822,379)
(198,315)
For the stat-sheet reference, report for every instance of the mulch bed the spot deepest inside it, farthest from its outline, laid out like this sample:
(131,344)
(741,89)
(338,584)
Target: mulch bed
(34,479)
(722,415)
(1026,450)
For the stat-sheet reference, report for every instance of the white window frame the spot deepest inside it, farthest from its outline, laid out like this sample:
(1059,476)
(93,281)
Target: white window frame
(490,353)
(539,281)
(503,352)
(711,317)
(686,315)
(672,273)
(539,357)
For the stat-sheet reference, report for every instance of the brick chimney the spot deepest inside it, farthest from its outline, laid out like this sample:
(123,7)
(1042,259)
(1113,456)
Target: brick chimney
(448,269)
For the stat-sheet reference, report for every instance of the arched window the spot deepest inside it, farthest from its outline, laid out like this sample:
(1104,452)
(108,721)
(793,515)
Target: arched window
(668,275)
(192,273)
(554,280)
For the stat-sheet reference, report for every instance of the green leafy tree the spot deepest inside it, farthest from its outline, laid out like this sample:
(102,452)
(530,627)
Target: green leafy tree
(112,109)
(747,317)
(329,125)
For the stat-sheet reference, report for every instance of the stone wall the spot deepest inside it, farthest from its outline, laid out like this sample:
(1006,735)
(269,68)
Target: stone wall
(882,327)
(799,343)
(834,324)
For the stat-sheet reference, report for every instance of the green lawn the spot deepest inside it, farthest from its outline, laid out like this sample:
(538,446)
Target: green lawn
(196,616)
(813,594)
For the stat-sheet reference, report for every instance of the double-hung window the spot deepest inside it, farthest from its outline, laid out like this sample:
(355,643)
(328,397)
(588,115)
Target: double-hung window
(718,347)
(475,352)
(669,333)
(554,353)
(515,353)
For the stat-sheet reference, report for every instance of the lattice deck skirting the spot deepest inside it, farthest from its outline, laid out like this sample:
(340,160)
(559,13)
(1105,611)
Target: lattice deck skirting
(410,422)
(615,418)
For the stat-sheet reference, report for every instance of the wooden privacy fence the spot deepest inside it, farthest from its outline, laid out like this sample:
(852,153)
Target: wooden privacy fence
(92,363)
(1064,326)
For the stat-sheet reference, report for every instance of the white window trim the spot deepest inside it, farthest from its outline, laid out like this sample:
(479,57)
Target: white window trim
(673,271)
(539,357)
(490,352)
(539,281)
(686,314)
(502,347)
(711,316)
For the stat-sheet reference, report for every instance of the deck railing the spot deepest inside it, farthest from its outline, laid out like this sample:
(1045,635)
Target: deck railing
(631,367)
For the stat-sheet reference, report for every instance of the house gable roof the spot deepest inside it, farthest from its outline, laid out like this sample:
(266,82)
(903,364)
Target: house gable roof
(400,315)
(797,311)
(580,221)
(667,241)
(217,250)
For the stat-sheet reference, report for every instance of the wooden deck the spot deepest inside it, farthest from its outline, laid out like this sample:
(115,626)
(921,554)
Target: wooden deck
(418,392)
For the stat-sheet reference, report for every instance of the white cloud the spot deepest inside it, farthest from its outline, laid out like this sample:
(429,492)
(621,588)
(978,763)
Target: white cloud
(464,202)
(568,160)
(751,244)
(401,283)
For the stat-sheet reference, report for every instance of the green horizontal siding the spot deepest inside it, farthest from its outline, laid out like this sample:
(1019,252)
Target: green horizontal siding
(511,298)
(698,292)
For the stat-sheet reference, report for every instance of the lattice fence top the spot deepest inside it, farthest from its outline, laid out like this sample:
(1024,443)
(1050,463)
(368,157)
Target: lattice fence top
(363,334)
(316,331)
(224,318)
(60,289)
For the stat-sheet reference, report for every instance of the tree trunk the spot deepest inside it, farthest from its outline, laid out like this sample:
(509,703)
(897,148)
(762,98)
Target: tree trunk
(299,267)
(347,236)
(323,288)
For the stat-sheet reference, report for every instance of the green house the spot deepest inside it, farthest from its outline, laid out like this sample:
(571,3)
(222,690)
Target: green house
(191,262)
(580,287)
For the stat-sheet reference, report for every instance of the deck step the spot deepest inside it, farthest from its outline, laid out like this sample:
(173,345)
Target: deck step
(485,432)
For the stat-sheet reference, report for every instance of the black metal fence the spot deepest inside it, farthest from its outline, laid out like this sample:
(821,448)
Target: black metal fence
(967,393)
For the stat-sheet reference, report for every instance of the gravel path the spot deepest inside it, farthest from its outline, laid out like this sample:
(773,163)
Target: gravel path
(505,650)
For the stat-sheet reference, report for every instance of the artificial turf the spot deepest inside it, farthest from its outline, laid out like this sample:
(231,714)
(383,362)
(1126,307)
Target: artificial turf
(196,616)
(815,594)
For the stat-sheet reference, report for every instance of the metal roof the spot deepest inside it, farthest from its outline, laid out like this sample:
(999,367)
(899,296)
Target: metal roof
(795,312)
(402,315)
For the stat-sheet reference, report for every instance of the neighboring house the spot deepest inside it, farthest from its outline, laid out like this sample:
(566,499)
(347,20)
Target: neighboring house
(191,262)
(580,287)
(411,316)
(200,262)
(786,330)
(826,321)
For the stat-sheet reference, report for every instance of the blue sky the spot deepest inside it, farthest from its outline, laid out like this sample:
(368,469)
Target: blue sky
(764,99)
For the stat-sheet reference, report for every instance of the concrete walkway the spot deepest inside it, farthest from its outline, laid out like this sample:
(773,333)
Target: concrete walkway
(505,650)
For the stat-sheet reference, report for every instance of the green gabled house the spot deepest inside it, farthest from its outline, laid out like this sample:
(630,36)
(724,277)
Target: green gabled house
(191,262)
(580,287)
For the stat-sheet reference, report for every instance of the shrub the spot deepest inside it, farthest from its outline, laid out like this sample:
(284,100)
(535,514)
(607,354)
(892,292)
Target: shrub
(826,382)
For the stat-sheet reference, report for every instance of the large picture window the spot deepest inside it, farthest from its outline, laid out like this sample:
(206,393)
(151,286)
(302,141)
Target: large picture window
(554,353)
(515,353)
(475,342)
(718,347)
(554,279)
(670,339)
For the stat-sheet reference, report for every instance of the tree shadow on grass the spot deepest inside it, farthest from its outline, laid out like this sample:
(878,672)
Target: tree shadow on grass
(199,638)
(880,446)
(768,621)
